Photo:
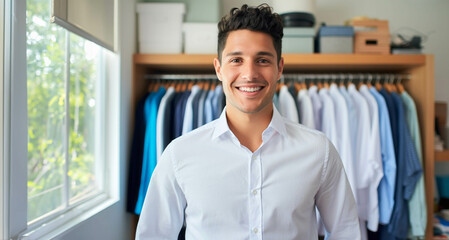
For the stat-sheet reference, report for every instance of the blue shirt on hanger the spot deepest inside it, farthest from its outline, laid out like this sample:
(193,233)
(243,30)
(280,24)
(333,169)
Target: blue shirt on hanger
(408,173)
(386,187)
(149,152)
(136,155)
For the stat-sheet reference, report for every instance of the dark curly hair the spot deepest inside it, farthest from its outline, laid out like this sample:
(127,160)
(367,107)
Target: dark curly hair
(260,19)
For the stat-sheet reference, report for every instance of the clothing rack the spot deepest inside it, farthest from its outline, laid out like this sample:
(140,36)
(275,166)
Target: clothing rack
(350,77)
(180,77)
(328,77)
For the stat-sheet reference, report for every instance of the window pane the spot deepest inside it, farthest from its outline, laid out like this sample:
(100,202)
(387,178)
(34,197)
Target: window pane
(84,77)
(57,180)
(46,112)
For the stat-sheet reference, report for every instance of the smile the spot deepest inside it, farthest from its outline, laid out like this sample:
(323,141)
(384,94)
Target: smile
(250,89)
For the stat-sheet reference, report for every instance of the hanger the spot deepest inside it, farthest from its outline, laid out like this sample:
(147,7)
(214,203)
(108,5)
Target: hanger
(377,84)
(350,80)
(399,85)
(392,85)
(326,80)
(369,80)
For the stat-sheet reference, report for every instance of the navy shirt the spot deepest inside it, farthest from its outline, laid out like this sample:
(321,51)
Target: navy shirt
(408,170)
(136,156)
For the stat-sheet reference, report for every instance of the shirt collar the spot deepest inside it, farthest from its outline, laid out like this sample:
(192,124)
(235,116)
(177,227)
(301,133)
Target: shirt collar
(277,124)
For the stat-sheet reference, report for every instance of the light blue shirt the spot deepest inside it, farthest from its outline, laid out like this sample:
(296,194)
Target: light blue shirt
(222,190)
(150,150)
(417,203)
(217,101)
(208,108)
(387,183)
(189,112)
(201,103)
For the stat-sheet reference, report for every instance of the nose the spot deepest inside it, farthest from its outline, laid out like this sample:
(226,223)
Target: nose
(249,71)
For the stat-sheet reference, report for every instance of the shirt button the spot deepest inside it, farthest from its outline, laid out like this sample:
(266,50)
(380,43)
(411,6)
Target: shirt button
(255,230)
(254,157)
(254,192)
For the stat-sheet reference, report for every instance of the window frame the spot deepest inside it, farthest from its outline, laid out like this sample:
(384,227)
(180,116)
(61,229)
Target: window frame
(13,195)
(3,210)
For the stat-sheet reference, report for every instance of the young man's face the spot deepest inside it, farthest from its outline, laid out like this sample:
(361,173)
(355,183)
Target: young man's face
(249,71)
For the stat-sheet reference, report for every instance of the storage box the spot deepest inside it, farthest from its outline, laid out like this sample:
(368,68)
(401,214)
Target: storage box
(160,27)
(200,38)
(335,39)
(373,36)
(298,40)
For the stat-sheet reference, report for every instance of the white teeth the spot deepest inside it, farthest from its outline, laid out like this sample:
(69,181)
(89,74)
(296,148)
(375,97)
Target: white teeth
(250,89)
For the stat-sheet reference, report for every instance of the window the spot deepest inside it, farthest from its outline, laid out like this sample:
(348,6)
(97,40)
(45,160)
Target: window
(63,111)
(63,154)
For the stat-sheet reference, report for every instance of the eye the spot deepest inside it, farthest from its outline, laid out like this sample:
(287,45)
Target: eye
(235,60)
(263,60)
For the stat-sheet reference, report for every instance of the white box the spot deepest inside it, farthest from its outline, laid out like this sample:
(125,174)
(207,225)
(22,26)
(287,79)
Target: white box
(160,47)
(298,40)
(200,38)
(160,27)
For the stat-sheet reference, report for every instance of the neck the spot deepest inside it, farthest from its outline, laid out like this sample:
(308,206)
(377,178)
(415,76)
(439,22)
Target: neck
(248,127)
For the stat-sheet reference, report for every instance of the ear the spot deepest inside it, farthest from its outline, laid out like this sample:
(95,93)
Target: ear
(280,68)
(217,67)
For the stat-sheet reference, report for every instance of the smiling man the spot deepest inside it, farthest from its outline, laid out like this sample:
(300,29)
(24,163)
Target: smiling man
(251,174)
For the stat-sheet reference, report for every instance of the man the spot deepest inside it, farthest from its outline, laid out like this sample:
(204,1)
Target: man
(251,174)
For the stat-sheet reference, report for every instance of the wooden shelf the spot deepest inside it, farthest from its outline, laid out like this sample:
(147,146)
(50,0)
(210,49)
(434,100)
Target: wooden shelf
(442,156)
(293,62)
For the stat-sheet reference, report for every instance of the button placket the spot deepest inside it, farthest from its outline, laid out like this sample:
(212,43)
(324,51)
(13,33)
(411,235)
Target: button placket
(255,202)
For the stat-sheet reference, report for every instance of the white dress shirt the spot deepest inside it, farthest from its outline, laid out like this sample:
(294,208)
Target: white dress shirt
(187,124)
(222,190)
(317,106)
(364,165)
(161,122)
(305,109)
(328,126)
(287,105)
(374,155)
(343,145)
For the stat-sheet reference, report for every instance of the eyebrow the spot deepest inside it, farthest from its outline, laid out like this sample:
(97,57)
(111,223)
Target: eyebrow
(262,53)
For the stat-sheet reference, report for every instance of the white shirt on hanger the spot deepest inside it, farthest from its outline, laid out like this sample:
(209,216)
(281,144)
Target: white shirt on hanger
(352,119)
(317,106)
(305,109)
(287,105)
(374,156)
(161,121)
(343,144)
(187,124)
(328,126)
(363,163)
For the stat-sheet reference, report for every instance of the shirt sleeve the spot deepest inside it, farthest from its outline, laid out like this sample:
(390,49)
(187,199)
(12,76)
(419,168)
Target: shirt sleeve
(163,210)
(335,200)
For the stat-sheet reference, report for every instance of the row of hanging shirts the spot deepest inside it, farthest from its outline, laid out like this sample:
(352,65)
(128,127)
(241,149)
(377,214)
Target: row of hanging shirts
(350,109)
(382,157)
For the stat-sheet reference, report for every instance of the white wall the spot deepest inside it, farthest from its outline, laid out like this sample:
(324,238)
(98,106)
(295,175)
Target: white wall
(405,16)
(427,17)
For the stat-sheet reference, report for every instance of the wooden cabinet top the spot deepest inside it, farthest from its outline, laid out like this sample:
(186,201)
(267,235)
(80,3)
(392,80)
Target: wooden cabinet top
(303,62)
